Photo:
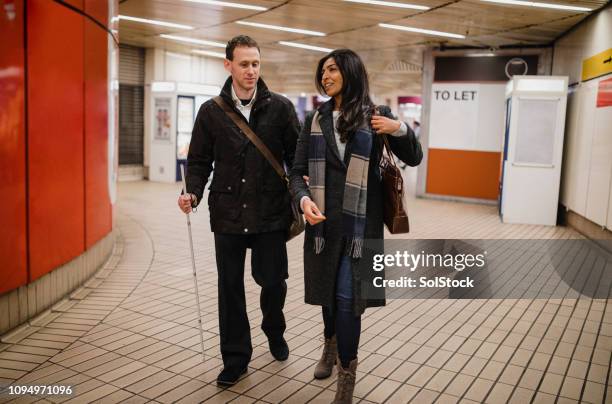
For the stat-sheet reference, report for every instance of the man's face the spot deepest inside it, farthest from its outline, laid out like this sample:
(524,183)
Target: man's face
(245,67)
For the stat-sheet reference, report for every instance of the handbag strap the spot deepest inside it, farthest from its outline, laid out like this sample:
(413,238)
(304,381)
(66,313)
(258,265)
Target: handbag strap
(248,132)
(388,149)
(386,144)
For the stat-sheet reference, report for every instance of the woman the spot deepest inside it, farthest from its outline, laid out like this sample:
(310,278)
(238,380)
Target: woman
(336,180)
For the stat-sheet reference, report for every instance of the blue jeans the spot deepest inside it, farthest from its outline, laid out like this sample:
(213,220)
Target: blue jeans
(341,320)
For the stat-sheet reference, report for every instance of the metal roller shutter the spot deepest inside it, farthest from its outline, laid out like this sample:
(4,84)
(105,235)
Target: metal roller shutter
(131,105)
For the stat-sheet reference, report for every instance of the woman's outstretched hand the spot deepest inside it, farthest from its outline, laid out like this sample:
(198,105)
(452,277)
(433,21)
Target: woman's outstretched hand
(312,213)
(384,126)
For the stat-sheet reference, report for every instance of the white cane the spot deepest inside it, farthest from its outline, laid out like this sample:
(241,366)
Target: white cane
(195,276)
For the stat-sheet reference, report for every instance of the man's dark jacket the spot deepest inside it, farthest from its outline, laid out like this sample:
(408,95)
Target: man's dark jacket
(246,195)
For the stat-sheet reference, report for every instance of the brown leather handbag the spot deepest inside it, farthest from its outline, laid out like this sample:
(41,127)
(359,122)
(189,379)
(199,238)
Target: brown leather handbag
(394,215)
(297,223)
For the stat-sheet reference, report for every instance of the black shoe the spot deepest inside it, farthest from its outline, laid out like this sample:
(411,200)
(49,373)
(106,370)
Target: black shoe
(229,376)
(279,349)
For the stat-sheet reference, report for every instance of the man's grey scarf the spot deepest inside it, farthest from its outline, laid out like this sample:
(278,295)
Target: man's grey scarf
(355,188)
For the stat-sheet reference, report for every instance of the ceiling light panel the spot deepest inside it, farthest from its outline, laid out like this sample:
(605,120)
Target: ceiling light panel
(228,4)
(193,40)
(305,46)
(154,22)
(539,5)
(279,28)
(422,31)
(390,4)
(209,53)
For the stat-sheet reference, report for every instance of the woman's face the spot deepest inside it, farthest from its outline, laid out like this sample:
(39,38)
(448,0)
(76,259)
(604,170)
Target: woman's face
(331,79)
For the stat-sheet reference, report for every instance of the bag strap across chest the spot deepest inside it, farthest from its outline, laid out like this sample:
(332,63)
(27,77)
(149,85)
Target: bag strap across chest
(246,130)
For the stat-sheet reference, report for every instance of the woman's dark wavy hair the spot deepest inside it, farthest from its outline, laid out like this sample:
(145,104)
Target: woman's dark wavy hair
(356,105)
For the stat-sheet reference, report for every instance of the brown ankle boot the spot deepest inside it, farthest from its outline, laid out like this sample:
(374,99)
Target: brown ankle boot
(328,359)
(346,383)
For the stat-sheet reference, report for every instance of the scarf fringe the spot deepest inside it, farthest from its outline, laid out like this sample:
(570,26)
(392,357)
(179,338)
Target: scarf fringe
(354,247)
(319,244)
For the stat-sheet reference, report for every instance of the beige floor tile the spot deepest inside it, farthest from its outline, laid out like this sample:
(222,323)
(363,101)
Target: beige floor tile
(93,395)
(440,380)
(456,362)
(383,391)
(119,396)
(201,395)
(229,397)
(511,374)
(594,392)
(500,393)
(266,386)
(426,396)
(459,385)
(144,380)
(305,394)
(531,378)
(179,391)
(521,396)
(422,376)
(479,390)
(551,383)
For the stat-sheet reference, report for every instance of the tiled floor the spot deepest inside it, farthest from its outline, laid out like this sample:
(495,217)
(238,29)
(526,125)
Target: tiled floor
(130,334)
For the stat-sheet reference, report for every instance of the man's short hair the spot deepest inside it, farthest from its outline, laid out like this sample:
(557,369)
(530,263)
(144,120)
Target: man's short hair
(240,40)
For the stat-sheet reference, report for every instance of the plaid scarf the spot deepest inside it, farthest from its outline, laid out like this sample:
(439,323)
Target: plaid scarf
(355,187)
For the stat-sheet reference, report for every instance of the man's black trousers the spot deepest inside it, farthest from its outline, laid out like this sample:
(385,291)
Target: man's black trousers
(269,269)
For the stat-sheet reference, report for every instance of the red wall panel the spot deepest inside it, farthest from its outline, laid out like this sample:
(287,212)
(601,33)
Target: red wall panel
(13,256)
(98,10)
(98,216)
(55,135)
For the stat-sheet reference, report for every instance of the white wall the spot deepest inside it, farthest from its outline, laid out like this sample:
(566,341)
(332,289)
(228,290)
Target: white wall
(585,40)
(587,169)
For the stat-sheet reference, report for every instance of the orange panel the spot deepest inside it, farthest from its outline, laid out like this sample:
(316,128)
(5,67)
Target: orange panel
(465,173)
(13,255)
(98,222)
(55,135)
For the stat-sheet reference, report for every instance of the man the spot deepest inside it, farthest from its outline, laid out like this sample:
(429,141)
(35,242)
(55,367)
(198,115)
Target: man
(248,201)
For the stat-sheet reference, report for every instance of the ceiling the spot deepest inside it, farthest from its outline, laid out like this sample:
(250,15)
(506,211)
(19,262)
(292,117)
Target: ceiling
(393,57)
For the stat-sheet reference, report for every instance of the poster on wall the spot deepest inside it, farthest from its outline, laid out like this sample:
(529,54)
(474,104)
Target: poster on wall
(454,116)
(163,119)
(185,114)
(467,116)
(184,126)
(604,93)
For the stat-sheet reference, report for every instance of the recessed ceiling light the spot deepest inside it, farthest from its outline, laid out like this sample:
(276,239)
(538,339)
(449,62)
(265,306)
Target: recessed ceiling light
(480,55)
(229,4)
(279,28)
(193,40)
(304,46)
(209,53)
(541,5)
(390,4)
(154,22)
(422,31)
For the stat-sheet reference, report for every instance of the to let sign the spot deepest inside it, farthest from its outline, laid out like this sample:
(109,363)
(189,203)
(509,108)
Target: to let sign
(455,95)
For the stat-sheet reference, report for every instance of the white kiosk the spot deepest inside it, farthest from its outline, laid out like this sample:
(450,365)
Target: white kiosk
(172,112)
(533,149)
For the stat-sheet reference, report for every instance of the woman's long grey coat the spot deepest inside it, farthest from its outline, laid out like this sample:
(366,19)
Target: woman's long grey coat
(320,270)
